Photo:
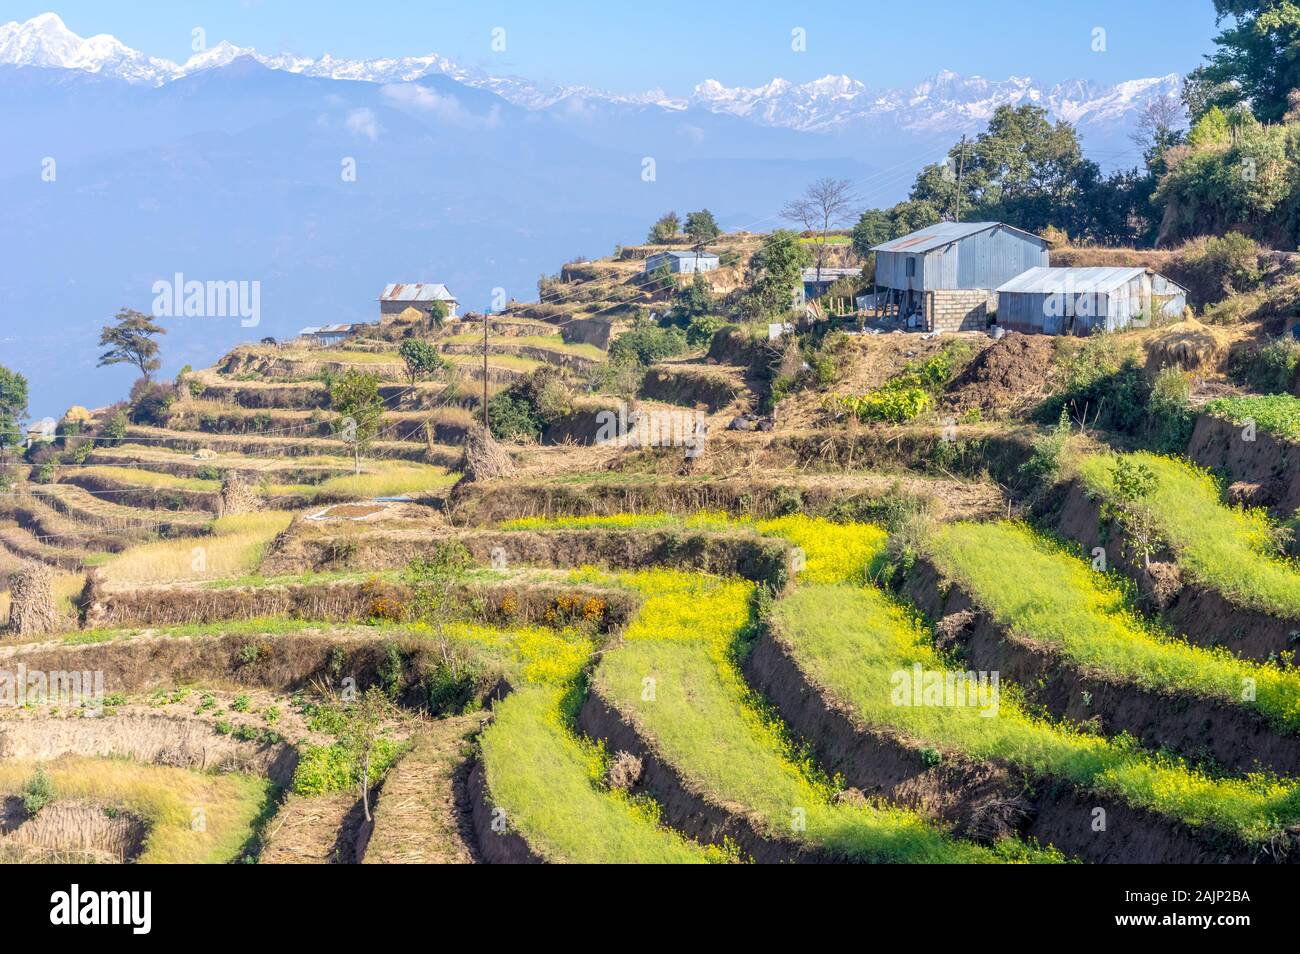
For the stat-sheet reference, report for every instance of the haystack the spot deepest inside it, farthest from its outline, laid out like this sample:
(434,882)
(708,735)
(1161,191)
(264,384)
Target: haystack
(237,495)
(32,611)
(407,316)
(1189,345)
(485,458)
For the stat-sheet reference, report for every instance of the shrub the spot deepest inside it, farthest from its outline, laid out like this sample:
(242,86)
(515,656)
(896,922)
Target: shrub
(47,471)
(513,418)
(909,394)
(115,432)
(1229,263)
(525,409)
(890,404)
(1097,382)
(1044,464)
(647,343)
(1170,418)
(38,791)
(1272,368)
(151,402)
(702,328)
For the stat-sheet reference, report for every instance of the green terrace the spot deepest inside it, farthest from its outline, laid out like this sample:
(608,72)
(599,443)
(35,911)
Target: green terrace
(1229,549)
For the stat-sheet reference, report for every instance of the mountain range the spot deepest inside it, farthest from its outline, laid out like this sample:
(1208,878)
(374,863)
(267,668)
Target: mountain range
(121,169)
(945,100)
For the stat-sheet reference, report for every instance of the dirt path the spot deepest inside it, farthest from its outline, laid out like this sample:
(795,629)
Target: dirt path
(418,819)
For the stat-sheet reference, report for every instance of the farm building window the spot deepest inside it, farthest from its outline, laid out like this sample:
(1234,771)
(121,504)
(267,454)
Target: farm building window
(911,267)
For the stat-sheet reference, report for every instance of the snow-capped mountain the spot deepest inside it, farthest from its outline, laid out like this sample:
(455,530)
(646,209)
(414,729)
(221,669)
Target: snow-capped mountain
(946,101)
(45,41)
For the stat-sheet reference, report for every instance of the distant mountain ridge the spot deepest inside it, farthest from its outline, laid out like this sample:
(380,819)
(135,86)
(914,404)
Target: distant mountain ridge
(945,101)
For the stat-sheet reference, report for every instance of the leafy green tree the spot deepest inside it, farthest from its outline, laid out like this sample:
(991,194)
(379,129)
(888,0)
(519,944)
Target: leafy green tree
(362,737)
(1212,129)
(693,300)
(774,272)
(13,409)
(1257,63)
(1022,169)
(131,341)
(914,214)
(355,397)
(665,229)
(1132,482)
(874,227)
(421,358)
(702,227)
(438,312)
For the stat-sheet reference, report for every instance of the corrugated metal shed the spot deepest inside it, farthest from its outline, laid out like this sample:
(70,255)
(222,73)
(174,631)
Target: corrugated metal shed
(417,291)
(1083,300)
(1096,279)
(682,262)
(957,255)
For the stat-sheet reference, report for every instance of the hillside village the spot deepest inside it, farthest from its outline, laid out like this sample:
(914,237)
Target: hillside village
(910,537)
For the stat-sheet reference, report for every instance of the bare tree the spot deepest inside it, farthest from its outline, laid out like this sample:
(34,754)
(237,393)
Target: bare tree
(1159,124)
(825,204)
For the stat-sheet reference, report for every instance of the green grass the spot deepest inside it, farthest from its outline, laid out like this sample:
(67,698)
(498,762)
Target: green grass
(709,725)
(853,641)
(1041,591)
(548,781)
(548,784)
(1277,414)
(1227,549)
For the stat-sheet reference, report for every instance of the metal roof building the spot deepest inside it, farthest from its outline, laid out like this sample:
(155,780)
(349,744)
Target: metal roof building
(1083,300)
(957,255)
(400,296)
(682,262)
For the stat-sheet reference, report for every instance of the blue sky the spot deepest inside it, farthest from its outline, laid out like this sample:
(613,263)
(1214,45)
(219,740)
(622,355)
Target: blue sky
(634,46)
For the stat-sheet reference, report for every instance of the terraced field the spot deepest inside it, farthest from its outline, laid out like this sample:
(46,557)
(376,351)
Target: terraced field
(818,641)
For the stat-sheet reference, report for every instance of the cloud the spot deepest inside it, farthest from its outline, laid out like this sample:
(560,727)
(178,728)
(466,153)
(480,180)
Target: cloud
(692,132)
(415,98)
(362,122)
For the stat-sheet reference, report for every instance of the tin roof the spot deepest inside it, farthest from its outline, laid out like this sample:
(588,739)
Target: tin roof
(810,274)
(416,291)
(1097,280)
(677,254)
(941,234)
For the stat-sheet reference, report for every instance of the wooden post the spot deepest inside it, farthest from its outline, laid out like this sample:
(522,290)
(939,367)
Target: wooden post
(485,372)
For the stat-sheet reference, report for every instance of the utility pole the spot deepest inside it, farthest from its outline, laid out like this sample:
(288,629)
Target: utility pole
(961,168)
(485,371)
